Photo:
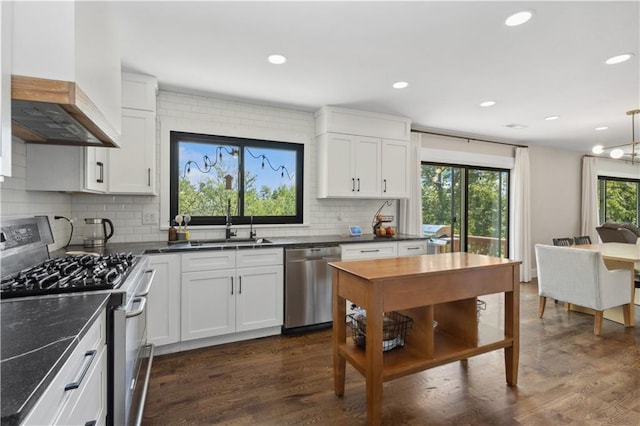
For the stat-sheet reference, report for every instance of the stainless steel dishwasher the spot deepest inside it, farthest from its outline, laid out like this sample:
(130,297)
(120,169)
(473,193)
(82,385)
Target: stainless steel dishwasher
(308,287)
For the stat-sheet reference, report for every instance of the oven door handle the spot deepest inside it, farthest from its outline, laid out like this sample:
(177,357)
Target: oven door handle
(150,273)
(140,310)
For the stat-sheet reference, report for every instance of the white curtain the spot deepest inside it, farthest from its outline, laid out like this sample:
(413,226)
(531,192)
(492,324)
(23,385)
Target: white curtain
(520,235)
(590,214)
(410,210)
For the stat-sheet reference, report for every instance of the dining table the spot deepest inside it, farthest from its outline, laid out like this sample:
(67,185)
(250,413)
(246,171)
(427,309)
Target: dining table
(617,256)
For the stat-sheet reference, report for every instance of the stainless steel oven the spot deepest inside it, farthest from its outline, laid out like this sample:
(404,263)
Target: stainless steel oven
(28,270)
(131,356)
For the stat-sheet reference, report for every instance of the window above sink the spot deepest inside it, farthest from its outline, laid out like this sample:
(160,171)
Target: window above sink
(261,181)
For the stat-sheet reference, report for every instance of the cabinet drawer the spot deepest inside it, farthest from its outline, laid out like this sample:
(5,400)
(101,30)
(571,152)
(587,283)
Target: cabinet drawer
(259,257)
(369,251)
(55,398)
(88,402)
(412,248)
(208,260)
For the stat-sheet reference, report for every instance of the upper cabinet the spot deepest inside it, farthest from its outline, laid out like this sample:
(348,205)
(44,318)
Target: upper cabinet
(66,57)
(362,154)
(132,168)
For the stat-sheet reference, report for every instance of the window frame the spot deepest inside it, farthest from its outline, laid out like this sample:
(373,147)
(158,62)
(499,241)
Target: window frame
(602,205)
(215,140)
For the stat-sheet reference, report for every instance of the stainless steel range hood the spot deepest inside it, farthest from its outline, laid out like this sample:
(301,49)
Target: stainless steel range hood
(57,113)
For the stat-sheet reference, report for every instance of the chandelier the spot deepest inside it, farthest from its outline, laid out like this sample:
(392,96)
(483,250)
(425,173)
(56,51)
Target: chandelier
(616,152)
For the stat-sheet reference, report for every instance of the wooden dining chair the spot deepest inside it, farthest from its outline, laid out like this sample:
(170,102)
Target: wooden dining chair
(584,239)
(564,242)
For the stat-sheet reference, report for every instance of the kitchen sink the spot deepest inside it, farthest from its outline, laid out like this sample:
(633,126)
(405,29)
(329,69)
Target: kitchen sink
(229,242)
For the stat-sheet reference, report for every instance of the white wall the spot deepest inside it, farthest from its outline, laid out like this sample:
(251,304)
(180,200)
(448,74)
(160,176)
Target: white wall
(15,201)
(556,179)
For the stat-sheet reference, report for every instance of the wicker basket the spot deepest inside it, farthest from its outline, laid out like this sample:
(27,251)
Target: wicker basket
(394,329)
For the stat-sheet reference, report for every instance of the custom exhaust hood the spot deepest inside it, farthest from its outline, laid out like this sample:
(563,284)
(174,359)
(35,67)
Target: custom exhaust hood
(57,113)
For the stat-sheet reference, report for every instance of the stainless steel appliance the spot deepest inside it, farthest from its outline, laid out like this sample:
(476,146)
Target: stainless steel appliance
(308,287)
(29,271)
(95,231)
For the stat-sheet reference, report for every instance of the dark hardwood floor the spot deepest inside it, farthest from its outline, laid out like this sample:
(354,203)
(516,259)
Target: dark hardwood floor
(567,376)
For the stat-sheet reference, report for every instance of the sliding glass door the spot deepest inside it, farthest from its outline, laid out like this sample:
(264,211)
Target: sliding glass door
(468,207)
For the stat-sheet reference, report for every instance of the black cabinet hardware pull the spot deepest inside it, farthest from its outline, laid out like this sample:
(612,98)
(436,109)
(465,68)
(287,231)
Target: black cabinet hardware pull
(240,279)
(370,251)
(101,178)
(385,185)
(76,385)
(358,184)
(353,184)
(149,176)
(231,285)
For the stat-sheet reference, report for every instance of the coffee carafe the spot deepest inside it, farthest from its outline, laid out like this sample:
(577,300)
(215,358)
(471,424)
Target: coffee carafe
(95,233)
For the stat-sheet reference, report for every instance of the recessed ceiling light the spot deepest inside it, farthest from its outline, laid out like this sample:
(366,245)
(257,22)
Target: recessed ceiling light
(618,59)
(552,117)
(597,129)
(277,59)
(400,84)
(518,18)
(488,103)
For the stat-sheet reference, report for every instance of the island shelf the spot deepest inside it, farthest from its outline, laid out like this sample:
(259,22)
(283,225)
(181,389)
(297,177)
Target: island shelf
(442,287)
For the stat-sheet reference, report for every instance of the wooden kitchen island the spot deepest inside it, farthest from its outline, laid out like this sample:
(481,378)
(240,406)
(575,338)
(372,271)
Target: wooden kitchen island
(441,287)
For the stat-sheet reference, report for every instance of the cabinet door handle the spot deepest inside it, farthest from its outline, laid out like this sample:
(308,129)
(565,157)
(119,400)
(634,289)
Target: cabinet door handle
(370,251)
(101,167)
(75,385)
(231,285)
(240,280)
(353,184)
(385,186)
(358,184)
(413,248)
(149,176)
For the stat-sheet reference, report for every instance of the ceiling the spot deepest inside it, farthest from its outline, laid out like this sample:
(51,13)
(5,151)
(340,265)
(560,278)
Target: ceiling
(454,55)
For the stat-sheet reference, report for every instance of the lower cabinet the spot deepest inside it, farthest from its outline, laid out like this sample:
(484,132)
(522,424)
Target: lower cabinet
(163,301)
(85,402)
(245,293)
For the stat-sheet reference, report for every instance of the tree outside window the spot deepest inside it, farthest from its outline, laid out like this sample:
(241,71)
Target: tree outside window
(257,181)
(618,199)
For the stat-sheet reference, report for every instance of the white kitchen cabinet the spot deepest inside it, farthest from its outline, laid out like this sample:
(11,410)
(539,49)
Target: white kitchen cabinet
(412,248)
(362,154)
(260,297)
(139,92)
(394,168)
(86,403)
(231,291)
(349,166)
(66,168)
(363,251)
(163,302)
(132,166)
(208,303)
(362,167)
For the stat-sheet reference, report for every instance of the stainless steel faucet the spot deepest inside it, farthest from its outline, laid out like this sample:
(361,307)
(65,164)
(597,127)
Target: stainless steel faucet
(252,233)
(229,232)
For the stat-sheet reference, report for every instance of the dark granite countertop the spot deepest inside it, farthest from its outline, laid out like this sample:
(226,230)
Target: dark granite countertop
(156,247)
(38,335)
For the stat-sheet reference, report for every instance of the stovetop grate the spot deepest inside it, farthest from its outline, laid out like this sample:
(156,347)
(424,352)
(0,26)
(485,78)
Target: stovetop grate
(69,274)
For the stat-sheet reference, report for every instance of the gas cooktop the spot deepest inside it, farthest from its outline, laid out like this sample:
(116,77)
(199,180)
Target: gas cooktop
(69,274)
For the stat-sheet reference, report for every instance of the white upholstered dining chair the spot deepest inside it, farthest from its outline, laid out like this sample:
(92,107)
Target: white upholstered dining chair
(580,277)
